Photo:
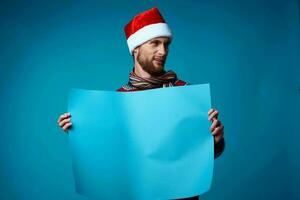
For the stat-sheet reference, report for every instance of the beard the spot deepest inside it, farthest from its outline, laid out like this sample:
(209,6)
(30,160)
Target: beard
(149,66)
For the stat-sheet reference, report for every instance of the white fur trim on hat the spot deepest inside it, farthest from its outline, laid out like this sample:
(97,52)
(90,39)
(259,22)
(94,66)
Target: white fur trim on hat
(146,33)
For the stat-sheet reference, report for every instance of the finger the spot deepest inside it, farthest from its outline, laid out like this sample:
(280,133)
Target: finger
(66,126)
(215,124)
(218,131)
(63,122)
(63,116)
(210,111)
(214,114)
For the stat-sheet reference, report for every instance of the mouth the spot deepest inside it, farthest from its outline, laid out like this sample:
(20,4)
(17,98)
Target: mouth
(160,61)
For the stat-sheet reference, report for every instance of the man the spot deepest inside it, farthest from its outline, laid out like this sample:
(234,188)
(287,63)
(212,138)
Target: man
(148,38)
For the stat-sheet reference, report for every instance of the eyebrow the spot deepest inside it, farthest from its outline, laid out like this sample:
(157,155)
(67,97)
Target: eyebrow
(156,40)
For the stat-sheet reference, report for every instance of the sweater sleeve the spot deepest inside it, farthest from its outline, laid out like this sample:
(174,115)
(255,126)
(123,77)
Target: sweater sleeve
(219,148)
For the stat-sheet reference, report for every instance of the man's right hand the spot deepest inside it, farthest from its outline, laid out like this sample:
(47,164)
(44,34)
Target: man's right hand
(64,121)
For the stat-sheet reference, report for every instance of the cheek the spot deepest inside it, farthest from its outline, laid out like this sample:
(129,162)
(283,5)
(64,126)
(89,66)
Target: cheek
(149,56)
(147,53)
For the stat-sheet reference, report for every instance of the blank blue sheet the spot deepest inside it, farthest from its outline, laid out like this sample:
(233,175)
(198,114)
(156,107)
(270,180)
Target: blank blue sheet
(152,144)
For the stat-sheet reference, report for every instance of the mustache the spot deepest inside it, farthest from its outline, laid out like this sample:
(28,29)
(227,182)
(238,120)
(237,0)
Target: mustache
(160,58)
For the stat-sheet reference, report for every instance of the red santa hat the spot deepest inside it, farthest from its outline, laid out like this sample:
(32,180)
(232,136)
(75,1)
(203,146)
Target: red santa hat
(145,26)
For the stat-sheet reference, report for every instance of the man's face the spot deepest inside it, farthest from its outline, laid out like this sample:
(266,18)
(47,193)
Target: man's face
(152,55)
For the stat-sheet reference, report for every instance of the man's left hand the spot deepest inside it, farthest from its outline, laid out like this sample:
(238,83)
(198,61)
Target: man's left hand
(216,128)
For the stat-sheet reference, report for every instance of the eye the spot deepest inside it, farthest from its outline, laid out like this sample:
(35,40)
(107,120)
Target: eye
(154,42)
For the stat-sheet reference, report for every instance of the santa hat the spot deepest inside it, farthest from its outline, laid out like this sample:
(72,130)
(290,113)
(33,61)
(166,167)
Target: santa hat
(145,26)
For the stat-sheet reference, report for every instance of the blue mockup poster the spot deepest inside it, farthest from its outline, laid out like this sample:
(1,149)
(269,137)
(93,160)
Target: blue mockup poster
(151,144)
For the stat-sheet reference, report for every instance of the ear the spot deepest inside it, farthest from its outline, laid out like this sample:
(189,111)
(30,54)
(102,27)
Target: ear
(134,52)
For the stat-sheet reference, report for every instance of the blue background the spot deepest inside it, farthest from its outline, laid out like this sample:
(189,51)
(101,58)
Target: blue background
(247,50)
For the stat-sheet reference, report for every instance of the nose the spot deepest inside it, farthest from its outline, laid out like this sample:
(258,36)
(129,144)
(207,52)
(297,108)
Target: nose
(162,50)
